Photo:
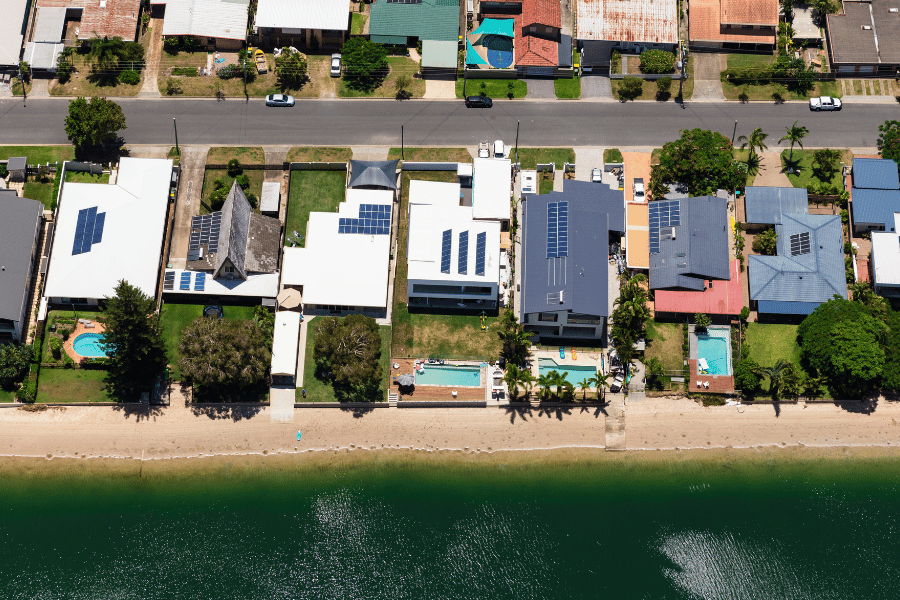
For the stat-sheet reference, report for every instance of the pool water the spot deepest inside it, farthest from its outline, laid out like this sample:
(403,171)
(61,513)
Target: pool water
(89,345)
(449,375)
(714,346)
(575,373)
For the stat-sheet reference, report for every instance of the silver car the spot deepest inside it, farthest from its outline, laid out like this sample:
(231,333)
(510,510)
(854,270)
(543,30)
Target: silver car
(335,65)
(279,100)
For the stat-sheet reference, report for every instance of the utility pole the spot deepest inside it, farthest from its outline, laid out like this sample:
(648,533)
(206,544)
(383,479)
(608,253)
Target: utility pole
(177,149)
(402,155)
(244,69)
(733,133)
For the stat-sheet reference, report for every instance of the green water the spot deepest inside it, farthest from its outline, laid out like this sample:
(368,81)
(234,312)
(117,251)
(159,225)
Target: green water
(728,531)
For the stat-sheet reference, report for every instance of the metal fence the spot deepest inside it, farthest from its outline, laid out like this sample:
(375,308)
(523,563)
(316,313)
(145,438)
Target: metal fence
(316,166)
(429,166)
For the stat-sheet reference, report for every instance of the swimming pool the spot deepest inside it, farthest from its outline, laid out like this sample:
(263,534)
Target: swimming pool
(575,373)
(715,347)
(449,375)
(89,345)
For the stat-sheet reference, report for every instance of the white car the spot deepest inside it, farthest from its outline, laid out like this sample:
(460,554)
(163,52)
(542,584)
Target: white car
(279,100)
(824,103)
(597,175)
(335,65)
(639,188)
(499,150)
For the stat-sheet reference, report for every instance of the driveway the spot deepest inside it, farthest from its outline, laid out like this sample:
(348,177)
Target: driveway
(596,86)
(587,159)
(770,172)
(707,82)
(542,89)
(440,88)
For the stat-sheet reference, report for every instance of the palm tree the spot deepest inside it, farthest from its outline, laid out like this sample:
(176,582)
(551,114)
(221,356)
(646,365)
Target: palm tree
(756,141)
(794,135)
(600,381)
(105,52)
(545,384)
(584,385)
(516,377)
(514,338)
(781,376)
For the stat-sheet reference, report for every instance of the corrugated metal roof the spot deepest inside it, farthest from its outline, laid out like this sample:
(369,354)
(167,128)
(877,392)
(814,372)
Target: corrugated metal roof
(270,197)
(430,20)
(436,53)
(875,206)
(48,26)
(651,21)
(12,28)
(719,297)
(304,14)
(18,226)
(886,258)
(787,308)
(875,173)
(378,173)
(610,200)
(225,19)
(765,205)
(637,235)
(42,55)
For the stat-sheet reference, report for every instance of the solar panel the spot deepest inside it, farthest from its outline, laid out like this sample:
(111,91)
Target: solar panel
(663,214)
(79,231)
(463,265)
(480,249)
(199,282)
(562,235)
(373,219)
(98,228)
(552,229)
(185,281)
(445,251)
(800,243)
(169,280)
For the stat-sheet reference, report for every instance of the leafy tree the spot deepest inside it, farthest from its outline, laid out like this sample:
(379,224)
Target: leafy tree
(234,167)
(515,339)
(402,83)
(243,180)
(822,8)
(794,134)
(365,62)
(658,188)
(862,292)
(173,87)
(655,371)
(93,122)
(745,314)
(14,360)
(756,141)
(133,342)
(663,85)
(265,320)
(702,160)
(516,377)
(347,352)
(226,358)
(105,53)
(889,141)
(631,88)
(657,61)
(826,163)
(600,381)
(702,321)
(747,376)
(291,68)
(766,242)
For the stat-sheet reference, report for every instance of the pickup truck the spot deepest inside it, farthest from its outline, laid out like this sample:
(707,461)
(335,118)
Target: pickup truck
(824,103)
(484,150)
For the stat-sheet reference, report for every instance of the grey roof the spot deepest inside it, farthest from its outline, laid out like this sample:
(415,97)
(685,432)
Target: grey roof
(564,53)
(699,250)
(48,25)
(876,206)
(582,275)
(373,173)
(16,163)
(812,277)
(249,241)
(849,42)
(19,219)
(608,199)
(270,198)
(875,173)
(43,55)
(767,204)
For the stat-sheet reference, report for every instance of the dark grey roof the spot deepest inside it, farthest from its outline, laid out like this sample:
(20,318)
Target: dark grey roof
(699,250)
(876,206)
(607,199)
(373,173)
(887,26)
(16,163)
(767,204)
(247,240)
(812,277)
(596,53)
(849,42)
(19,218)
(564,54)
(582,275)
(875,173)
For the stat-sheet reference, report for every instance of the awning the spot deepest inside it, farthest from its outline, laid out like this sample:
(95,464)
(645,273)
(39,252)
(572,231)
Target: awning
(472,56)
(504,27)
(439,54)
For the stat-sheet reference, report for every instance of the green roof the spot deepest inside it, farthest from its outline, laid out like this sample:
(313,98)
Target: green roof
(429,20)
(436,53)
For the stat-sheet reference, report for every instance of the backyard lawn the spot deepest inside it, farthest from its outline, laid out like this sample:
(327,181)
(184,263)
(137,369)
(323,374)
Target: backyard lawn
(318,390)
(72,385)
(78,177)
(419,335)
(399,65)
(493,88)
(664,343)
(358,23)
(220,156)
(804,159)
(41,189)
(568,88)
(431,154)
(529,157)
(319,154)
(770,342)
(320,191)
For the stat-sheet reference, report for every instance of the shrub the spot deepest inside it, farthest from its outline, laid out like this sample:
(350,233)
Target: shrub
(766,242)
(234,169)
(171,45)
(243,180)
(65,333)
(252,199)
(130,77)
(173,87)
(631,88)
(185,71)
(56,345)
(663,85)
(657,61)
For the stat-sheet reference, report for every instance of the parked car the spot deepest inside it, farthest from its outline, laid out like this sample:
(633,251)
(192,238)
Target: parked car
(479,102)
(616,386)
(484,150)
(639,188)
(824,103)
(597,175)
(279,100)
(499,150)
(335,65)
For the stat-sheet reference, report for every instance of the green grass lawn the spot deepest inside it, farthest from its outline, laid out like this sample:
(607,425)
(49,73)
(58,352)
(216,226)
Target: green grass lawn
(175,317)
(664,343)
(612,155)
(72,385)
(319,154)
(358,23)
(494,88)
(221,155)
(320,191)
(41,189)
(529,157)
(7,396)
(741,61)
(568,88)
(39,154)
(318,390)
(764,91)
(805,177)
(431,154)
(444,336)
(400,65)
(770,342)
(78,177)
(545,182)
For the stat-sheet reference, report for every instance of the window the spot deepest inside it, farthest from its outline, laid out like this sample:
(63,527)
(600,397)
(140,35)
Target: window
(477,290)
(577,319)
(548,29)
(746,26)
(422,288)
(548,317)
(229,269)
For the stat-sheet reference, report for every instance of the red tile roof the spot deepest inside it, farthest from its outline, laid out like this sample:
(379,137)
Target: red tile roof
(706,25)
(750,12)
(118,18)
(541,12)
(533,51)
(719,297)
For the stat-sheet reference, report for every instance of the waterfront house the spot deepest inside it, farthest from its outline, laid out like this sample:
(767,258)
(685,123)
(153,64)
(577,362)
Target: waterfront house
(20,229)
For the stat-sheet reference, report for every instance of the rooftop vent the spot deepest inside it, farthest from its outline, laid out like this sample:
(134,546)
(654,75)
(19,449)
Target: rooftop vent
(867,27)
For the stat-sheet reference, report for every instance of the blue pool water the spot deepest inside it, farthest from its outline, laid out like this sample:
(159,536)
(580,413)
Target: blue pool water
(575,373)
(88,345)
(449,375)
(714,346)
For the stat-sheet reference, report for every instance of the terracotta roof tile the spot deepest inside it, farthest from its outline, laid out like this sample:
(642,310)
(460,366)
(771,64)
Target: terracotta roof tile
(541,12)
(706,26)
(750,12)
(533,51)
(118,18)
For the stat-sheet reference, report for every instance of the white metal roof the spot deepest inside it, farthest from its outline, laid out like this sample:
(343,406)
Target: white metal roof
(42,55)
(491,188)
(11,31)
(284,343)
(431,212)
(270,198)
(340,268)
(48,26)
(886,255)
(135,209)
(259,285)
(225,19)
(304,14)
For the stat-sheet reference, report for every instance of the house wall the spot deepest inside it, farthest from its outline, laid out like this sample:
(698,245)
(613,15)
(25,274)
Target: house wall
(563,324)
(786,308)
(279,37)
(449,294)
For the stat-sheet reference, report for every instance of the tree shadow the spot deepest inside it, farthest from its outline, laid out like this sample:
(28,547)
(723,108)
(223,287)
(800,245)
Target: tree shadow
(863,406)
(107,153)
(518,409)
(141,412)
(235,412)
(358,412)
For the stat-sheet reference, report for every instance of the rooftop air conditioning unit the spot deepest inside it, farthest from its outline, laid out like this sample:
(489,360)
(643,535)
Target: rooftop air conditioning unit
(867,27)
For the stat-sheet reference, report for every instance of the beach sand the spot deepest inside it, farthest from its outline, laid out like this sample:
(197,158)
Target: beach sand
(178,431)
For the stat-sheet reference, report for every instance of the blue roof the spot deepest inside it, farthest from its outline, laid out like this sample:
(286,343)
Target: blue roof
(699,249)
(875,173)
(765,205)
(875,207)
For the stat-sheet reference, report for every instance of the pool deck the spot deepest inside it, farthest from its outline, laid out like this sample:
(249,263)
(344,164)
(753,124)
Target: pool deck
(585,359)
(718,384)
(436,393)
(80,328)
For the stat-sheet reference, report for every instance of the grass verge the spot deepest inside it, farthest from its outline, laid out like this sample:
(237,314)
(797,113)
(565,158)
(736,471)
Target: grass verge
(568,89)
(431,154)
(495,88)
(399,65)
(39,154)
(309,191)
(319,154)
(530,157)
(612,155)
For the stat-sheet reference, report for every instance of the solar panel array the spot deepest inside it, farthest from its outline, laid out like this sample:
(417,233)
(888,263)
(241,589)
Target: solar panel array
(205,232)
(185,281)
(374,219)
(662,214)
(463,252)
(445,251)
(800,243)
(557,229)
(199,282)
(480,249)
(169,280)
(88,230)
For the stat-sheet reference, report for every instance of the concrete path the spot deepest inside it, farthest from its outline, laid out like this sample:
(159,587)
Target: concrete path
(615,422)
(770,171)
(40,88)
(193,168)
(281,404)
(558,177)
(150,88)
(587,159)
(440,88)
(301,350)
(594,87)
(707,82)
(541,89)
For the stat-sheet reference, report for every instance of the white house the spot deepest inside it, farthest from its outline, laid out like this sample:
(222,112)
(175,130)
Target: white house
(345,266)
(492,190)
(109,232)
(453,258)
(886,260)
(294,22)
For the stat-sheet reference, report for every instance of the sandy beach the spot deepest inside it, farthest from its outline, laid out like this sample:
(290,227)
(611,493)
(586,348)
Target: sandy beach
(178,431)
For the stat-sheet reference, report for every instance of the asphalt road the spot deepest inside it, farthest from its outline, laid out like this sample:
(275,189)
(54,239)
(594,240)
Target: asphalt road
(444,123)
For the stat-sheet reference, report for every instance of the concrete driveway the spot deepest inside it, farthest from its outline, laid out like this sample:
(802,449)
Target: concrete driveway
(707,82)
(542,89)
(596,86)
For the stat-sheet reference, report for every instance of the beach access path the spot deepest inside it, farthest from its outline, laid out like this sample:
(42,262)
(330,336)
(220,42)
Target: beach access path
(655,423)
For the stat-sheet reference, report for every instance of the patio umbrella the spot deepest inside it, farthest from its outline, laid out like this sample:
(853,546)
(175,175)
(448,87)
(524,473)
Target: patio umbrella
(289,298)
(406,380)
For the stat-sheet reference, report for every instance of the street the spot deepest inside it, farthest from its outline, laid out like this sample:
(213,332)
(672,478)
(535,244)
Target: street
(445,123)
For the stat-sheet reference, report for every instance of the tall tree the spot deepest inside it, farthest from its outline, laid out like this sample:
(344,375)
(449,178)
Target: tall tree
(748,376)
(133,342)
(365,62)
(629,317)
(291,68)
(105,53)
(516,344)
(347,352)
(766,242)
(14,360)
(794,134)
(95,122)
(889,141)
(584,385)
(756,141)
(702,160)
(654,372)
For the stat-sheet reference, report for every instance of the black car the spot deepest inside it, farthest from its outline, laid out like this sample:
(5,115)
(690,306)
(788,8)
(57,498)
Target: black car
(479,102)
